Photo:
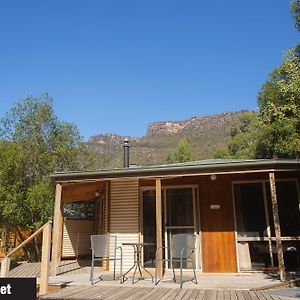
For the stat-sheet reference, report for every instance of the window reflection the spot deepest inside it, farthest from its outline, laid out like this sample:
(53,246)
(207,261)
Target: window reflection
(256,244)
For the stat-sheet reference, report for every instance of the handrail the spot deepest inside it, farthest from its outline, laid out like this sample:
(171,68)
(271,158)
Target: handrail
(46,229)
(27,240)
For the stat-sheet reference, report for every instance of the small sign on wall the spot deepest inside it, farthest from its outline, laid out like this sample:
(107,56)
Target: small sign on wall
(215,206)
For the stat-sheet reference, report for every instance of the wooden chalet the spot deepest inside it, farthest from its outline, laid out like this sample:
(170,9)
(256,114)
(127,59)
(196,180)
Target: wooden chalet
(245,212)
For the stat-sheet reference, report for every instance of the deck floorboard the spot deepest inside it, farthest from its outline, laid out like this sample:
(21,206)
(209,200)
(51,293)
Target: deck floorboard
(76,274)
(153,293)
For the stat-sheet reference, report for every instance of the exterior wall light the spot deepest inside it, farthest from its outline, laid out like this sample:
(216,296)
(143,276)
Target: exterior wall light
(213,177)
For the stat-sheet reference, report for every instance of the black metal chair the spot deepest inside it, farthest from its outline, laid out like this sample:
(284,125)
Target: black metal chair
(182,250)
(104,247)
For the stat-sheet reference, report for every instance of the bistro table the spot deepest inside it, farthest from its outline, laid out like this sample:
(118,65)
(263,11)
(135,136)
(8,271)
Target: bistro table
(137,264)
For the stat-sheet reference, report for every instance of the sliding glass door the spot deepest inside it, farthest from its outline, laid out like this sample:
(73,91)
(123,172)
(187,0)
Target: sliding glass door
(255,226)
(179,216)
(149,226)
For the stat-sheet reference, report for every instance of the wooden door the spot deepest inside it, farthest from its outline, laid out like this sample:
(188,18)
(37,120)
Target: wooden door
(217,225)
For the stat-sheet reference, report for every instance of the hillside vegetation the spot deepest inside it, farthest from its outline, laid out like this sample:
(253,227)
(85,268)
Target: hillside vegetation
(205,134)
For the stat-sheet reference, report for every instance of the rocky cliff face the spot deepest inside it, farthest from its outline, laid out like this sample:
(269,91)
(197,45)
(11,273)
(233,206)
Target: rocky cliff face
(205,134)
(200,124)
(107,143)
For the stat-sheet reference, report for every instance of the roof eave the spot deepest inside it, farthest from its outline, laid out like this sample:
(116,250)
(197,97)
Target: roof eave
(179,170)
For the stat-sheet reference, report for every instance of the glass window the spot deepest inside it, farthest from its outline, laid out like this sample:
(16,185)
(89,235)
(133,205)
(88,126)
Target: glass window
(171,233)
(291,255)
(254,256)
(149,226)
(250,210)
(288,207)
(180,207)
(251,223)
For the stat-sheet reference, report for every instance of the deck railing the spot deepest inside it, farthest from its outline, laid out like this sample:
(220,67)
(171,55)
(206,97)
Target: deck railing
(46,229)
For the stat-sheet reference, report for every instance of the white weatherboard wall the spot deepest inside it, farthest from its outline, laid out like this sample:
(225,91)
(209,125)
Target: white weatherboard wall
(76,237)
(124,217)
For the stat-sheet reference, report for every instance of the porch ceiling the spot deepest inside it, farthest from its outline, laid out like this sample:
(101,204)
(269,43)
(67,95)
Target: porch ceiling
(81,191)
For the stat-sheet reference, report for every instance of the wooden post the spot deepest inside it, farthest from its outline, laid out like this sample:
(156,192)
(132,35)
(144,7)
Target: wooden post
(105,262)
(158,227)
(277,227)
(5,265)
(56,235)
(45,265)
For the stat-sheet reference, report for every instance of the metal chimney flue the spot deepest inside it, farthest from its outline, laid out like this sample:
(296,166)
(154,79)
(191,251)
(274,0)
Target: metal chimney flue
(126,152)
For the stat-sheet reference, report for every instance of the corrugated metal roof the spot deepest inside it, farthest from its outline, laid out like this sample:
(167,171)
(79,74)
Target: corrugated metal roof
(209,162)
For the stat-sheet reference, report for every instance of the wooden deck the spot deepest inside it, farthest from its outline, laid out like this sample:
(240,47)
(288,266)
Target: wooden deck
(69,267)
(155,293)
(211,286)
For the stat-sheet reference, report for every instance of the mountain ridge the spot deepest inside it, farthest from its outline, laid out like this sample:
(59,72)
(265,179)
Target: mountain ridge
(204,133)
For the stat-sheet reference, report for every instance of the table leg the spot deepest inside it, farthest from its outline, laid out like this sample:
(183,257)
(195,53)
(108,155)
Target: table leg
(147,272)
(137,265)
(124,275)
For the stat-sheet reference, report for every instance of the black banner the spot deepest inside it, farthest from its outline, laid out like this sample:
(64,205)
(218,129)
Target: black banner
(18,288)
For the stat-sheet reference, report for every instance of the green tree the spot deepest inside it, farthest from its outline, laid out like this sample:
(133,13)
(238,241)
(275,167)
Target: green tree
(222,153)
(279,107)
(182,153)
(34,144)
(276,133)
(295,10)
(244,138)
(279,104)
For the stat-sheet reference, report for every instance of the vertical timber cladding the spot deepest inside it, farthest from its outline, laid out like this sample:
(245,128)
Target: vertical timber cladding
(217,222)
(124,216)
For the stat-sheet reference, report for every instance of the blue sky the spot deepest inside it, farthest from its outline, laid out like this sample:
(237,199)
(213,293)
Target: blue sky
(115,66)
